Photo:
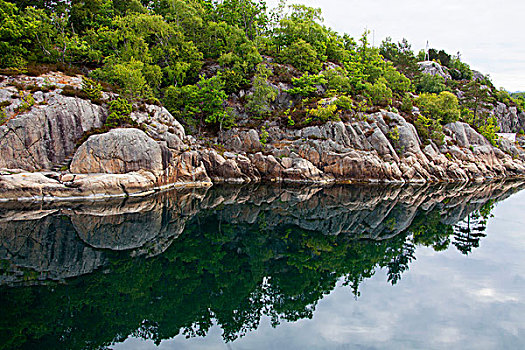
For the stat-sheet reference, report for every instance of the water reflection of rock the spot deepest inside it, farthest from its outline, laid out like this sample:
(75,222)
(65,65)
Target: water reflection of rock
(44,248)
(58,241)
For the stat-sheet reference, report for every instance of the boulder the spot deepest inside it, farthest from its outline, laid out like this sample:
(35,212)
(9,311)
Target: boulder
(186,168)
(118,151)
(161,125)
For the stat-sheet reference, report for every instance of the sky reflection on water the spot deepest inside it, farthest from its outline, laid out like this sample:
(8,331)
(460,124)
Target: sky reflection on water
(445,300)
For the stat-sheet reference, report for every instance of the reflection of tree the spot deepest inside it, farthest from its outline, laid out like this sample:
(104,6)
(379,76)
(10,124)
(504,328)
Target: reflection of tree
(216,271)
(399,263)
(428,230)
(469,231)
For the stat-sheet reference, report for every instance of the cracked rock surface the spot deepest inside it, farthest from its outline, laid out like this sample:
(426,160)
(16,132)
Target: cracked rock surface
(377,147)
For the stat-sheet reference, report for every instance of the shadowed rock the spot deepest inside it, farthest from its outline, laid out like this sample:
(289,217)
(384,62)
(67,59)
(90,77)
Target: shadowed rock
(57,241)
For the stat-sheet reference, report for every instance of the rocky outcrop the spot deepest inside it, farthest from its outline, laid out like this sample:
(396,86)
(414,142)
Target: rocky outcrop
(434,68)
(44,136)
(382,147)
(509,119)
(379,147)
(118,151)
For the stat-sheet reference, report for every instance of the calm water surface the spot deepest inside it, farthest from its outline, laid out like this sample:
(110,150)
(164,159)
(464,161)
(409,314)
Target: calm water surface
(361,267)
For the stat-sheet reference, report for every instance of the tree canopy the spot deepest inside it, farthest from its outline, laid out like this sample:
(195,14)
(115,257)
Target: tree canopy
(167,49)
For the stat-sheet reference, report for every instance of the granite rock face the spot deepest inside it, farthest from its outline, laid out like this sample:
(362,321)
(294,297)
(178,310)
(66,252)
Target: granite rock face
(379,147)
(509,119)
(383,147)
(118,151)
(45,135)
(434,68)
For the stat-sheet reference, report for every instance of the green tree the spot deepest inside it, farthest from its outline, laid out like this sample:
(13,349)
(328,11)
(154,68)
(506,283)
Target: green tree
(401,55)
(478,99)
(119,113)
(307,85)
(128,76)
(199,104)
(379,93)
(263,93)
(337,80)
(441,56)
(459,70)
(428,83)
(23,34)
(248,15)
(90,14)
(443,108)
(396,81)
(302,56)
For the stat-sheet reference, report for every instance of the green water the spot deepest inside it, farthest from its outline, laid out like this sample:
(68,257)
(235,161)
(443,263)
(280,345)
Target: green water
(260,267)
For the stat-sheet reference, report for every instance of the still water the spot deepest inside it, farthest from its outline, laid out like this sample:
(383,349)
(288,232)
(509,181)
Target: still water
(257,267)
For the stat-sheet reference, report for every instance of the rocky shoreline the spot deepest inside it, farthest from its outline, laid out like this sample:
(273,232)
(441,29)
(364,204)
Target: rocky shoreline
(81,235)
(41,157)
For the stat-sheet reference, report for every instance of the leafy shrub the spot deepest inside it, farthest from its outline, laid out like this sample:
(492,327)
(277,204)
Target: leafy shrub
(393,135)
(379,93)
(344,103)
(443,108)
(441,56)
(302,56)
(127,75)
(200,103)
(407,104)
(337,80)
(503,97)
(263,137)
(119,113)
(92,89)
(322,113)
(433,84)
(306,85)
(3,117)
(233,80)
(263,93)
(489,129)
(27,102)
(401,55)
(520,103)
(153,76)
(459,70)
(429,129)
(396,81)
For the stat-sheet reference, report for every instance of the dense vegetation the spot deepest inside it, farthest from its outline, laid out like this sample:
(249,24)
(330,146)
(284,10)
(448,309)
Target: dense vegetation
(199,57)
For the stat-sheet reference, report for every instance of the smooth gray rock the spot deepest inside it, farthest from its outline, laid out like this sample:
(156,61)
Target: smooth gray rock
(118,151)
(44,136)
(434,68)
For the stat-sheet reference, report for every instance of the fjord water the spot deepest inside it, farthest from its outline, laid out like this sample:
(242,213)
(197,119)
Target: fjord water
(257,267)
